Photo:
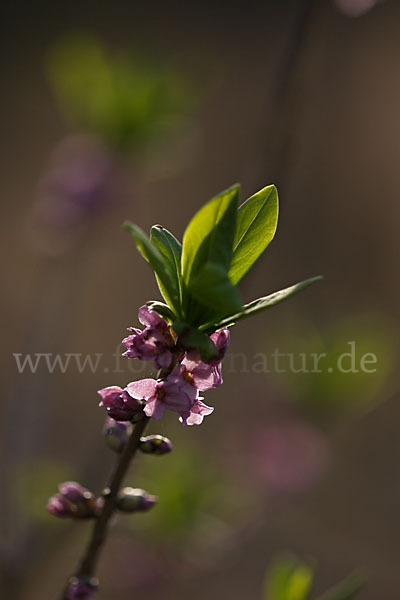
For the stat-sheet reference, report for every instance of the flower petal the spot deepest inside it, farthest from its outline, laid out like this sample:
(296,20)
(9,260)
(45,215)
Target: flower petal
(154,408)
(198,412)
(109,394)
(142,389)
(149,318)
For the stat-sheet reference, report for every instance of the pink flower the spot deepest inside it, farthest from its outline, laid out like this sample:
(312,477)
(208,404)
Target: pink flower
(153,343)
(176,392)
(206,376)
(202,375)
(151,318)
(197,413)
(221,340)
(118,403)
(289,455)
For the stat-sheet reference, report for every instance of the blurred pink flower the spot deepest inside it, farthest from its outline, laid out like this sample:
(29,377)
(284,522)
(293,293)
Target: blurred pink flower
(289,456)
(355,8)
(78,182)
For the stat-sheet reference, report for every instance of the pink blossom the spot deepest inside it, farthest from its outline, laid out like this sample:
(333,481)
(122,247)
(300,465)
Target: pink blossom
(118,403)
(221,340)
(197,413)
(176,392)
(206,376)
(153,343)
(289,455)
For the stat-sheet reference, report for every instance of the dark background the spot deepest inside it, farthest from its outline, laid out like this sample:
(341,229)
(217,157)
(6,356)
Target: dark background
(291,93)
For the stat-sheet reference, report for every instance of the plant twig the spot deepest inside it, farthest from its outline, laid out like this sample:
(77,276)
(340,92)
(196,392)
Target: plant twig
(99,534)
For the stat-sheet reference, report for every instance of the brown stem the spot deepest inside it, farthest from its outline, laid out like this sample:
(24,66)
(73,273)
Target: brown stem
(99,534)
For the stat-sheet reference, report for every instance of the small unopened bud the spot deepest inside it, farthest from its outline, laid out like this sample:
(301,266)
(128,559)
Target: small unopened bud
(72,491)
(135,500)
(83,501)
(155,444)
(82,588)
(73,500)
(116,433)
(59,506)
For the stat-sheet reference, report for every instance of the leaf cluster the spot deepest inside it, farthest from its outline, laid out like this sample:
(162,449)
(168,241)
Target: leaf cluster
(198,279)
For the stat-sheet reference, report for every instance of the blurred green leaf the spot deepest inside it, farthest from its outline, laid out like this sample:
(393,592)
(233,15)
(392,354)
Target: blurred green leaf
(185,494)
(257,220)
(348,589)
(209,235)
(288,579)
(162,268)
(261,304)
(124,102)
(324,390)
(171,249)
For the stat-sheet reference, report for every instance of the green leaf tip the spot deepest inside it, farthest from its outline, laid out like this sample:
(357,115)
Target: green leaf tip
(159,264)
(288,579)
(261,304)
(257,220)
(210,234)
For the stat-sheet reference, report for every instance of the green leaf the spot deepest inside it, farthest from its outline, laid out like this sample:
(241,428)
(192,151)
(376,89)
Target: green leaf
(210,234)
(162,309)
(257,220)
(213,288)
(191,338)
(288,579)
(257,306)
(348,589)
(158,263)
(171,249)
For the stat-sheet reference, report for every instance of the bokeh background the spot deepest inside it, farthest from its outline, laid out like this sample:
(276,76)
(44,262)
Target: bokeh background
(144,111)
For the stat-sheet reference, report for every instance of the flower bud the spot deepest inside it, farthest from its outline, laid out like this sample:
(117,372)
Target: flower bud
(82,500)
(120,405)
(59,506)
(73,500)
(82,588)
(72,491)
(135,500)
(116,433)
(155,444)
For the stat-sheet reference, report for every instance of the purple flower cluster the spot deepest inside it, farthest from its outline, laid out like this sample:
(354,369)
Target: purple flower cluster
(154,342)
(180,389)
(79,182)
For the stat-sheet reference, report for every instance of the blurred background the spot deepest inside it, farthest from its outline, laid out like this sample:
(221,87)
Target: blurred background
(144,111)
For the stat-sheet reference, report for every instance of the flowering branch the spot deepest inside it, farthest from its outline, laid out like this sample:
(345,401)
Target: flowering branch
(186,339)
